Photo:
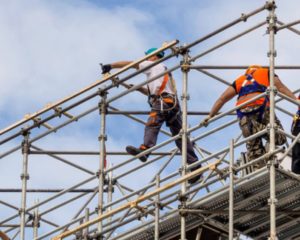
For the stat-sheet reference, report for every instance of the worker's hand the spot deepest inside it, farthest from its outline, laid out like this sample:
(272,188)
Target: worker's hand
(204,122)
(105,68)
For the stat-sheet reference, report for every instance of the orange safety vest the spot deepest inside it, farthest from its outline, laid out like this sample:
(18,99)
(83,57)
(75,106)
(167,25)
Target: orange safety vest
(251,85)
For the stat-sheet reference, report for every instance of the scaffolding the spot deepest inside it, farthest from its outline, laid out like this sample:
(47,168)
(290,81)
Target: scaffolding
(229,197)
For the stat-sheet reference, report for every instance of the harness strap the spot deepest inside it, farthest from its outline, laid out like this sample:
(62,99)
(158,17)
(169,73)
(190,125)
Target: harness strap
(260,109)
(164,83)
(258,88)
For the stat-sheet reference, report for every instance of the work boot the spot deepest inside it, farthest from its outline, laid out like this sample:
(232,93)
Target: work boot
(198,177)
(135,151)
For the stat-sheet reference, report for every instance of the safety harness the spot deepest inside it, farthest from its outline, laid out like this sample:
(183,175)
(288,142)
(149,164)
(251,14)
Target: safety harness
(250,88)
(162,96)
(164,99)
(296,121)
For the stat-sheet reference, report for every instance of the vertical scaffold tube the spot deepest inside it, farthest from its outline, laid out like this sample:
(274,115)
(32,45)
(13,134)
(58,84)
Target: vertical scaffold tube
(157,209)
(102,139)
(24,178)
(184,136)
(272,54)
(231,196)
(86,219)
(110,189)
(36,222)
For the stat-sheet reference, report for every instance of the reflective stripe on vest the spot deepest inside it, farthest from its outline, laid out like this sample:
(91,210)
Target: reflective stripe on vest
(259,80)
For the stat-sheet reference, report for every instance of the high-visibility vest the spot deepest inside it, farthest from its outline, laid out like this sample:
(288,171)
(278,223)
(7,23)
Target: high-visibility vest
(251,85)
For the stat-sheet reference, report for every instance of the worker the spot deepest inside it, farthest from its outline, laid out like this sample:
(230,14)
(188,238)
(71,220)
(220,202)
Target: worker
(255,116)
(296,149)
(164,105)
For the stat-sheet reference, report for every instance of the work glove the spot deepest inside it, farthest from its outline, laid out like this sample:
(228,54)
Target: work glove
(204,122)
(105,68)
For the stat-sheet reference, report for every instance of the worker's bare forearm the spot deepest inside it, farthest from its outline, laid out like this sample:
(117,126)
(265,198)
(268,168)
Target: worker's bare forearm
(227,95)
(284,89)
(122,64)
(143,90)
(216,107)
(287,92)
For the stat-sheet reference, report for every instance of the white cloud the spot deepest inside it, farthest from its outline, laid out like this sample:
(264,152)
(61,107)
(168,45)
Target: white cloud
(52,49)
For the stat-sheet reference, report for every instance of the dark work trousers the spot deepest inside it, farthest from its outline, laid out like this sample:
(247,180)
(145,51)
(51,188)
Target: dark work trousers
(255,123)
(296,150)
(173,121)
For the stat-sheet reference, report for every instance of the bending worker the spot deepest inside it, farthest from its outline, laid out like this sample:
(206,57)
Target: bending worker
(164,105)
(296,149)
(255,116)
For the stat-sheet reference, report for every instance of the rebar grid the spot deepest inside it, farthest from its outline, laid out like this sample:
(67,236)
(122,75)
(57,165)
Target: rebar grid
(155,200)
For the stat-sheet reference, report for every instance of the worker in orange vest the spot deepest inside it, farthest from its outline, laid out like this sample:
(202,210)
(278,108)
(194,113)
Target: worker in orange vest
(255,116)
(162,98)
(296,149)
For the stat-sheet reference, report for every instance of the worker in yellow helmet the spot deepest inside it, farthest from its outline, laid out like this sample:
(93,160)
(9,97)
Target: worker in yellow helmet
(254,116)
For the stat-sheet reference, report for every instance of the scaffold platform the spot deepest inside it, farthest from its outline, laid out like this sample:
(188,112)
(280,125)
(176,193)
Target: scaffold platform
(106,200)
(251,211)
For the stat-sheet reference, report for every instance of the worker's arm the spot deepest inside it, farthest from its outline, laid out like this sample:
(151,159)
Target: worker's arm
(283,89)
(143,90)
(122,64)
(107,67)
(227,95)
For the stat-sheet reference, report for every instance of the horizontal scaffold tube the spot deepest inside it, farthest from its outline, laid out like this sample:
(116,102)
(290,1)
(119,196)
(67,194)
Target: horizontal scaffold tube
(287,25)
(97,83)
(289,28)
(134,203)
(227,67)
(243,18)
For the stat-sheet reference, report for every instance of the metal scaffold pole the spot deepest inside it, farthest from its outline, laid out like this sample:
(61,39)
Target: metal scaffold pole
(110,190)
(102,139)
(86,219)
(272,54)
(157,209)
(184,137)
(154,199)
(24,178)
(36,222)
(231,189)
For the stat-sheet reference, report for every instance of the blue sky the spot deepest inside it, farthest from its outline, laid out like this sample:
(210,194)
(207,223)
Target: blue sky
(51,49)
